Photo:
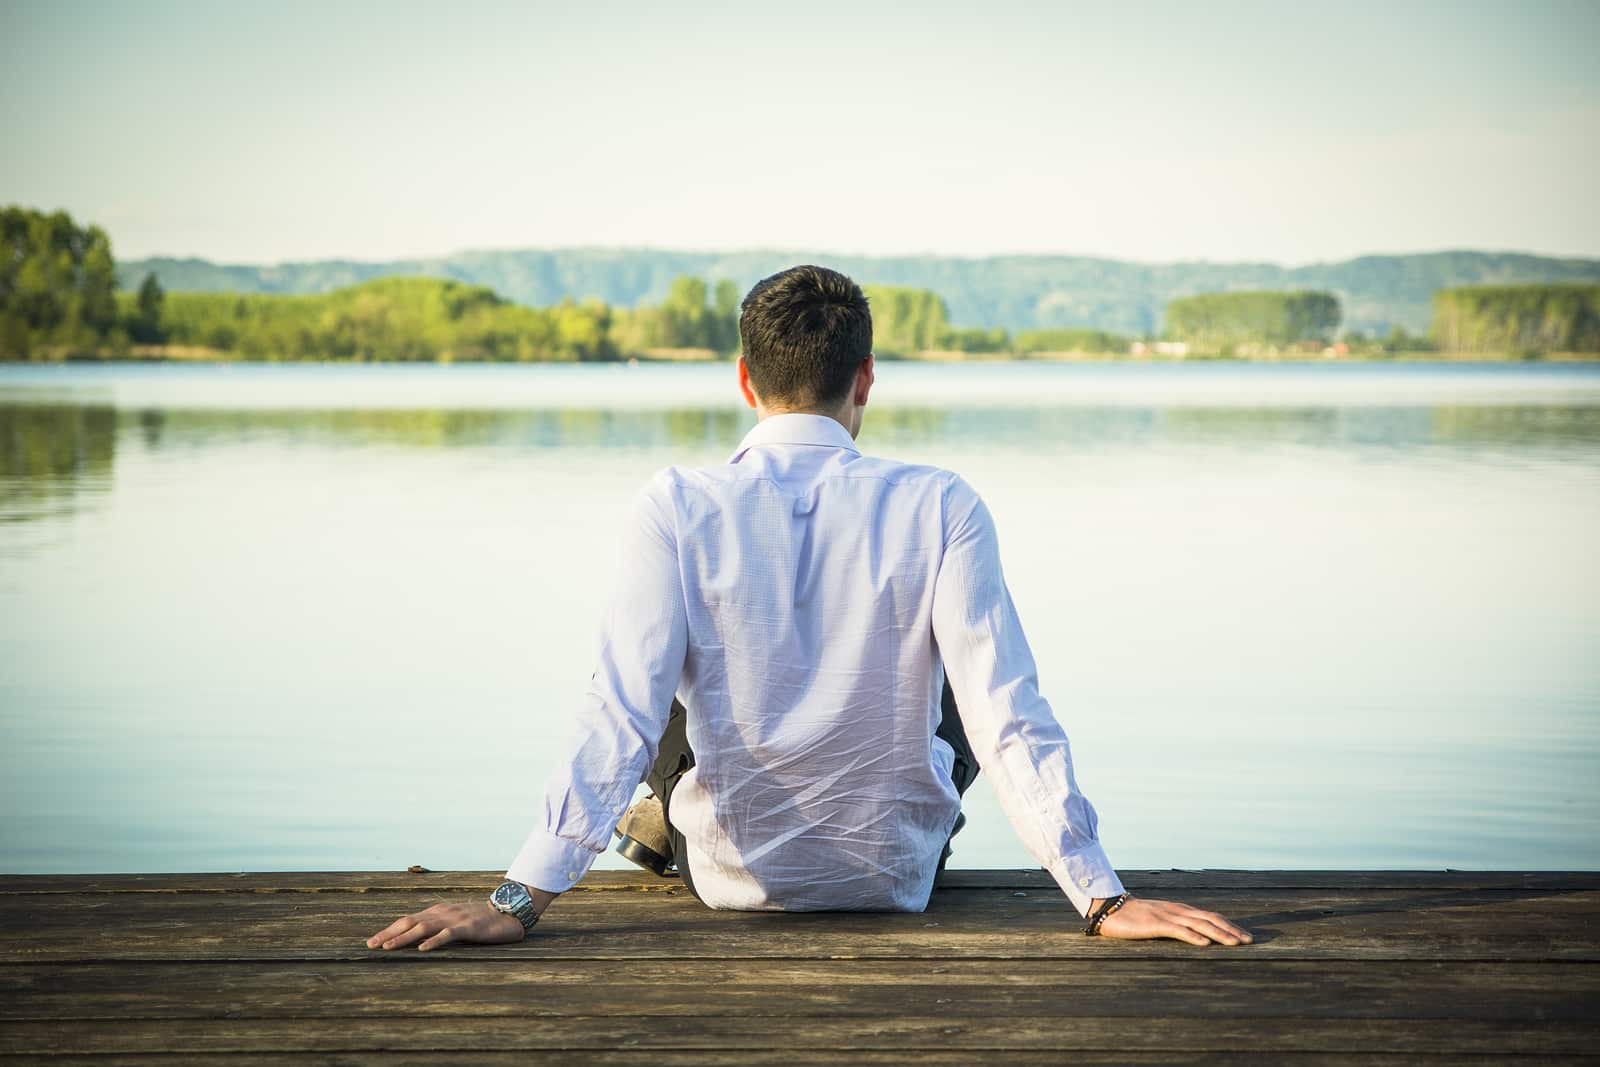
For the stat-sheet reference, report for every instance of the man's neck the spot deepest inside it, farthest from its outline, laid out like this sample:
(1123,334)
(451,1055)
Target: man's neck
(842,415)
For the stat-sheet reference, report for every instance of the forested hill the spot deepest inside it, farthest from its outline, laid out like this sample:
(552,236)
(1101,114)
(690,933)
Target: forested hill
(1013,292)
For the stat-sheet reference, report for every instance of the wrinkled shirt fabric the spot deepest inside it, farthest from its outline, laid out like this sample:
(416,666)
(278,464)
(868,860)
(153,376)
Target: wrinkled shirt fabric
(805,603)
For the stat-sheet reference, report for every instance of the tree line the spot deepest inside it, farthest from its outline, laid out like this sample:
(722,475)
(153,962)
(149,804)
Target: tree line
(391,319)
(59,297)
(1023,292)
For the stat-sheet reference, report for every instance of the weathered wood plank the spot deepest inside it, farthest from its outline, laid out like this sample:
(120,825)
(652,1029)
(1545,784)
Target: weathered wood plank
(784,1058)
(1149,882)
(1514,924)
(1403,966)
(412,986)
(1061,1031)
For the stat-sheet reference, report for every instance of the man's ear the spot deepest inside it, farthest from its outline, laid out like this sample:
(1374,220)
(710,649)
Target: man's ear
(744,382)
(864,380)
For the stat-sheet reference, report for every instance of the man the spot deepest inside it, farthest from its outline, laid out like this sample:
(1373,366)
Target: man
(832,621)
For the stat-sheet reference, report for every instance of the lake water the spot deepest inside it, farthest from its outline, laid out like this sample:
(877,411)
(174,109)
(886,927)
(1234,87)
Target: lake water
(301,616)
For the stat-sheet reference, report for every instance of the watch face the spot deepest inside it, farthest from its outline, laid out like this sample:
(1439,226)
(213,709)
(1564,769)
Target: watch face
(505,894)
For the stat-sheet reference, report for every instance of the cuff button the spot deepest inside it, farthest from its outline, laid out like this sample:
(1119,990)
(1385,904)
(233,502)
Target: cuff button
(1085,882)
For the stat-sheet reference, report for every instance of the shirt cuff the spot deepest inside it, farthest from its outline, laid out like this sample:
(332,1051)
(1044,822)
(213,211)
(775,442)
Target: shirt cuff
(551,863)
(1086,876)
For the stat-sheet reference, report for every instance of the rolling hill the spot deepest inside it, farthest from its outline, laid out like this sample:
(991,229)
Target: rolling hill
(1014,292)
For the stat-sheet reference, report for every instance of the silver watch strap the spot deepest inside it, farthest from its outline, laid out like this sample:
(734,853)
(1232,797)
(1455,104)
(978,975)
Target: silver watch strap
(526,914)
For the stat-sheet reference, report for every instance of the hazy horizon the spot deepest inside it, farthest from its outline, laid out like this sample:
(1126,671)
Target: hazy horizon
(772,249)
(1235,132)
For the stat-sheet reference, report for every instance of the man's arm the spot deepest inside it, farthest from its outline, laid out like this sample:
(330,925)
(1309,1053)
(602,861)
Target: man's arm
(1016,736)
(644,640)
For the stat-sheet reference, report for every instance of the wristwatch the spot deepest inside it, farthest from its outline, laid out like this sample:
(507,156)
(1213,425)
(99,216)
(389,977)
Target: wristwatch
(513,899)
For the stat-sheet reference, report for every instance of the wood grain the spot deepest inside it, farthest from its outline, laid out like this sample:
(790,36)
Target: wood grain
(1384,966)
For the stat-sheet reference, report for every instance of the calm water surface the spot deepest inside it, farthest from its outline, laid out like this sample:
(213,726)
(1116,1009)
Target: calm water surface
(341,617)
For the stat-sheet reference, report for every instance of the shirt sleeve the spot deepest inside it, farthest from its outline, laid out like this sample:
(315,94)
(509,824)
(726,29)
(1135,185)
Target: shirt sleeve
(1013,731)
(644,639)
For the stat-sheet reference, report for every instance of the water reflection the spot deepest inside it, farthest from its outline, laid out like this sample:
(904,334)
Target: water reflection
(50,454)
(450,428)
(1545,425)
(1248,427)
(52,442)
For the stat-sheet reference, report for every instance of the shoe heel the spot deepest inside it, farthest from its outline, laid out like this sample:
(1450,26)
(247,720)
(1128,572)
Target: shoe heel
(643,855)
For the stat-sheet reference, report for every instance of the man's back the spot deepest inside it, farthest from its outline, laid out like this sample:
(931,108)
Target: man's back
(801,601)
(811,677)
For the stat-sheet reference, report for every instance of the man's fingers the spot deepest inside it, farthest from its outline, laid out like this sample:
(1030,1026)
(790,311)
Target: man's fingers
(1214,931)
(411,936)
(394,929)
(1185,933)
(438,940)
(1233,930)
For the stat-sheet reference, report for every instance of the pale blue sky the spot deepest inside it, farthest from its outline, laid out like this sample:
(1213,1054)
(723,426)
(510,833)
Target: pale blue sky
(1283,131)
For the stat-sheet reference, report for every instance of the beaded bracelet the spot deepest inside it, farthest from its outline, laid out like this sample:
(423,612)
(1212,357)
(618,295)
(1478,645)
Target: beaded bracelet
(1099,917)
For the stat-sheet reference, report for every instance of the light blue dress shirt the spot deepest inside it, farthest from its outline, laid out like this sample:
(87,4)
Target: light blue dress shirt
(804,602)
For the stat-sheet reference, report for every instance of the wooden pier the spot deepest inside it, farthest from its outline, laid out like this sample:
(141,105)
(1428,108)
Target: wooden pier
(1376,967)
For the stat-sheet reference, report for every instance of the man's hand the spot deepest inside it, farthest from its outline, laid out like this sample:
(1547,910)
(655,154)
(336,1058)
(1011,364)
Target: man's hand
(1140,919)
(443,923)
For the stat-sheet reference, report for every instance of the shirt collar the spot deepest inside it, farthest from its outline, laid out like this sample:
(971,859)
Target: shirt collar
(796,428)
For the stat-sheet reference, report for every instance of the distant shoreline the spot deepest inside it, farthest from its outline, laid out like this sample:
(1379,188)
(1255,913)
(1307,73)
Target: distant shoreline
(1018,292)
(1478,308)
(199,354)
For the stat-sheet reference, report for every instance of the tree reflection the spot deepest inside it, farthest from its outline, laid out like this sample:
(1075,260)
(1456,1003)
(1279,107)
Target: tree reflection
(50,454)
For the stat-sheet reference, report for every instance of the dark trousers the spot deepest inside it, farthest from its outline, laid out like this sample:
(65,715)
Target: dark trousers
(675,758)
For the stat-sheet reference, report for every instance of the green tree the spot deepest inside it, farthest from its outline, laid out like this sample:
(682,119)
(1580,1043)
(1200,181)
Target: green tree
(145,324)
(57,285)
(687,318)
(98,285)
(906,321)
(725,318)
(1269,318)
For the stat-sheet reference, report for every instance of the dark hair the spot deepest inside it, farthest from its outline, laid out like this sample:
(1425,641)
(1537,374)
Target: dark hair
(805,332)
